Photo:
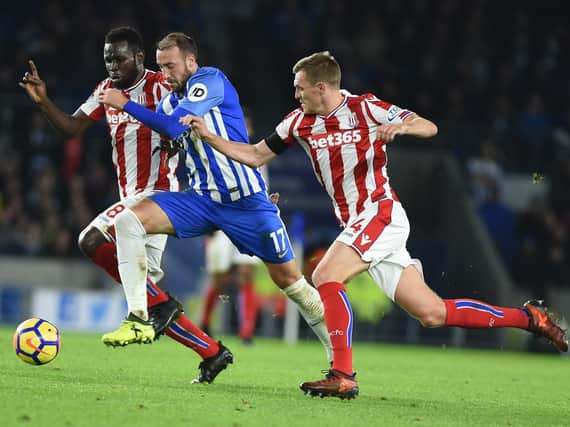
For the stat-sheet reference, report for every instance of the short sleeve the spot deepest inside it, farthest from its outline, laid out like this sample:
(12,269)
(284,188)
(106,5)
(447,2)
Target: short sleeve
(204,91)
(285,128)
(91,107)
(383,112)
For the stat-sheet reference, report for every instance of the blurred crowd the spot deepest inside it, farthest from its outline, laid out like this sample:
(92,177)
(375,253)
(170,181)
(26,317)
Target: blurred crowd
(492,75)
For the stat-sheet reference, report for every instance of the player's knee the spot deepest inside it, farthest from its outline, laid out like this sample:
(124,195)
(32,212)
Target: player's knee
(123,220)
(284,275)
(89,240)
(321,275)
(127,223)
(432,318)
(283,279)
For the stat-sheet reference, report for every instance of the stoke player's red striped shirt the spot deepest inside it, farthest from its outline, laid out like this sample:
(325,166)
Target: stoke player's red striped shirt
(348,160)
(140,164)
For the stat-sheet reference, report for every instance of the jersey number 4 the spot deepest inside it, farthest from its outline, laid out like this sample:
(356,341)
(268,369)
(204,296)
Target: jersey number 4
(357,225)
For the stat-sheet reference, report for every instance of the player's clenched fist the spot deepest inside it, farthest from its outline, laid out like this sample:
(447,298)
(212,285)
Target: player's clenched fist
(113,97)
(387,132)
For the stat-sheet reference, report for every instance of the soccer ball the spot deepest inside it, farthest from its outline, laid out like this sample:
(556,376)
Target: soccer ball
(36,341)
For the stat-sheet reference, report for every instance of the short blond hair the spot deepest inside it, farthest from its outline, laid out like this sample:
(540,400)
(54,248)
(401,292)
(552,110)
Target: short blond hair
(320,67)
(185,43)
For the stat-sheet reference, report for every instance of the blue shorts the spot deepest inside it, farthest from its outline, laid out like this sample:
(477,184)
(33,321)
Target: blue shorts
(252,223)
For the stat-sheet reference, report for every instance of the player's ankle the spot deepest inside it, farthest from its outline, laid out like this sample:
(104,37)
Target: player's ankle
(141,314)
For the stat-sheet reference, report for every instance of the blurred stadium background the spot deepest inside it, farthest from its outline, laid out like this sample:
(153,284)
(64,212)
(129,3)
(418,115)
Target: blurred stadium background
(487,198)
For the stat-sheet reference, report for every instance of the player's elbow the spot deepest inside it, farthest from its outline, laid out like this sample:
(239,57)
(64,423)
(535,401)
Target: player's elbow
(71,128)
(170,127)
(174,130)
(432,129)
(427,129)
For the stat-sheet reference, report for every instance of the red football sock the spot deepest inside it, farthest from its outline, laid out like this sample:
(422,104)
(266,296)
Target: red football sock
(183,329)
(473,314)
(247,310)
(154,295)
(338,316)
(190,335)
(210,301)
(106,257)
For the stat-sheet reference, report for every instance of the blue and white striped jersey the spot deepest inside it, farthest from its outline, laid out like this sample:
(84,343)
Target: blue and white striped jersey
(210,94)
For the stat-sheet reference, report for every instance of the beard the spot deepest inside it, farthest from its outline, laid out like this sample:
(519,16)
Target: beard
(179,85)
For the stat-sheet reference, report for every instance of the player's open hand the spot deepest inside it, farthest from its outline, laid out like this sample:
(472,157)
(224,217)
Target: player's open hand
(113,98)
(34,86)
(198,126)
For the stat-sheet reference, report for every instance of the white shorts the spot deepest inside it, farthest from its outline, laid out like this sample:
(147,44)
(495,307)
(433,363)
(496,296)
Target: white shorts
(154,243)
(379,235)
(221,254)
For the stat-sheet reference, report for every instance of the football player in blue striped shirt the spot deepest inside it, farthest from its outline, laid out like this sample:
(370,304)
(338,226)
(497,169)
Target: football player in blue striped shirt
(224,194)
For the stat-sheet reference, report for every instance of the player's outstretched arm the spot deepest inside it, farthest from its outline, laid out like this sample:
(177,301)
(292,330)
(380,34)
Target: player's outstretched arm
(253,155)
(66,124)
(164,124)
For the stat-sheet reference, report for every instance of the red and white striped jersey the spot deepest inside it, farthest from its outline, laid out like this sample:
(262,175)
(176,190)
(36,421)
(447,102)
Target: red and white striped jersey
(348,160)
(140,164)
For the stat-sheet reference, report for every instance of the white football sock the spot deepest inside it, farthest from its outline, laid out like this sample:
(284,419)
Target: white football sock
(311,307)
(131,257)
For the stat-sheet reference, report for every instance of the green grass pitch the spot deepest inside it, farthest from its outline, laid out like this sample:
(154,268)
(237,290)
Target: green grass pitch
(150,385)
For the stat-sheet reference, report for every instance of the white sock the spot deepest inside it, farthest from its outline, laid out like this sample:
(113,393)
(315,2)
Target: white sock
(309,304)
(131,256)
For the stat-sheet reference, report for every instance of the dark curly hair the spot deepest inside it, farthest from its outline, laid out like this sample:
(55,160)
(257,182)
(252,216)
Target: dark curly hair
(128,34)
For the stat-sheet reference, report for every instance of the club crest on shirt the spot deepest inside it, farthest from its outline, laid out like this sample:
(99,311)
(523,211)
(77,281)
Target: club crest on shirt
(197,92)
(140,99)
(352,120)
